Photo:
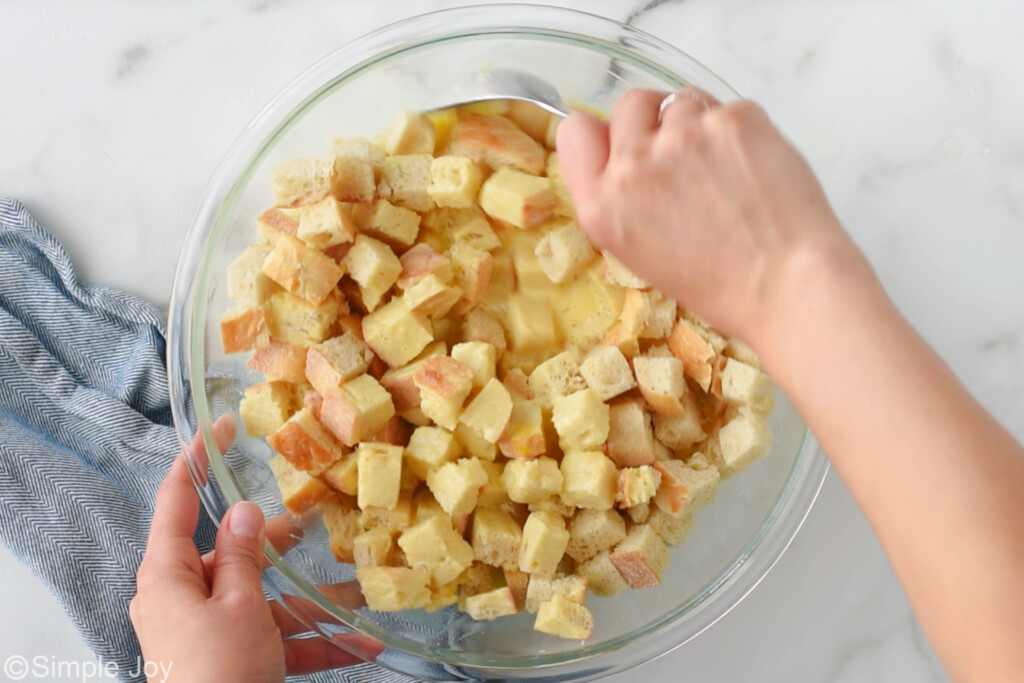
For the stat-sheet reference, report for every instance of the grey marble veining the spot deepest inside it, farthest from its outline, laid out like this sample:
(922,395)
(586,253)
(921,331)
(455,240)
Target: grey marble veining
(910,113)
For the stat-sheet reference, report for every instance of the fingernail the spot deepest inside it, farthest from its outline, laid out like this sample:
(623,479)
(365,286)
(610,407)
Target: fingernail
(245,520)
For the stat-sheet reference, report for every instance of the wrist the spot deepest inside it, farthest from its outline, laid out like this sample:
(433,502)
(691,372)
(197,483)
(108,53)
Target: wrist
(816,286)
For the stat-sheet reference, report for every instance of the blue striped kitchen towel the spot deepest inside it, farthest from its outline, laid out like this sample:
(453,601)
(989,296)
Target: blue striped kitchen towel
(85,436)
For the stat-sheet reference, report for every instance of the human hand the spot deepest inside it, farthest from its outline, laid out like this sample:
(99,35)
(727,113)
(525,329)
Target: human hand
(204,617)
(710,204)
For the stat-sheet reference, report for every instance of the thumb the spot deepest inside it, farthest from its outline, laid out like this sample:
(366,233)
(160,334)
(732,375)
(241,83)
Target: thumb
(238,558)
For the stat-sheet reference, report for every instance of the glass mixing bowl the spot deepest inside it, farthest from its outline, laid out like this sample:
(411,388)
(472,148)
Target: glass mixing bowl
(419,64)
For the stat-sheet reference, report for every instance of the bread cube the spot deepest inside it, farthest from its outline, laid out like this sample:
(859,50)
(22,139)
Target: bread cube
(399,381)
(393,589)
(607,372)
(444,121)
(480,357)
(603,577)
(443,596)
(622,337)
(647,315)
(679,432)
(355,164)
(589,480)
(409,133)
(394,225)
(614,272)
(325,224)
(454,181)
(496,537)
(301,270)
(429,448)
(593,531)
(684,489)
(564,618)
(672,529)
(247,285)
(356,410)
(553,504)
(532,481)
(524,434)
(392,520)
(303,181)
(529,276)
(497,142)
(343,475)
(488,606)
(489,412)
(359,148)
(472,272)
(479,325)
(456,485)
(266,407)
(661,383)
(564,252)
(689,346)
(444,384)
(436,546)
(341,519)
(544,540)
(432,296)
(474,444)
(641,558)
(637,485)
(380,474)
(405,179)
(425,506)
(736,348)
(299,491)
(638,514)
(242,329)
(573,588)
(530,118)
(371,548)
(518,384)
(478,578)
(581,420)
(305,443)
(746,385)
(551,139)
(475,231)
(563,205)
(661,315)
(296,321)
(518,198)
(630,439)
(744,439)
(374,267)
(274,222)
(280,361)
(397,334)
(493,493)
(395,431)
(337,360)
(421,260)
(556,377)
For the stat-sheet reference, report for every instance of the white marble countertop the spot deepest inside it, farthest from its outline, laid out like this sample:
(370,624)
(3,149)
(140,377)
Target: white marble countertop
(115,114)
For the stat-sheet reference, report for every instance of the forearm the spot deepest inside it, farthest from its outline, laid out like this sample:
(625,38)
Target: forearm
(940,481)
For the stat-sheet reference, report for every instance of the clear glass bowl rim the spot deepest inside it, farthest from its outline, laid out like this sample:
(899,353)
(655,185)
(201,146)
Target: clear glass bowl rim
(186,333)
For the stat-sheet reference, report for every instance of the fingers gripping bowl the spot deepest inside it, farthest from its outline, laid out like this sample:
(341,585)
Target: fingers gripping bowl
(419,65)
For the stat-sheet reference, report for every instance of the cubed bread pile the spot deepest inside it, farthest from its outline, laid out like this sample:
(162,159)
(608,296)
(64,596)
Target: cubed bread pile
(485,411)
